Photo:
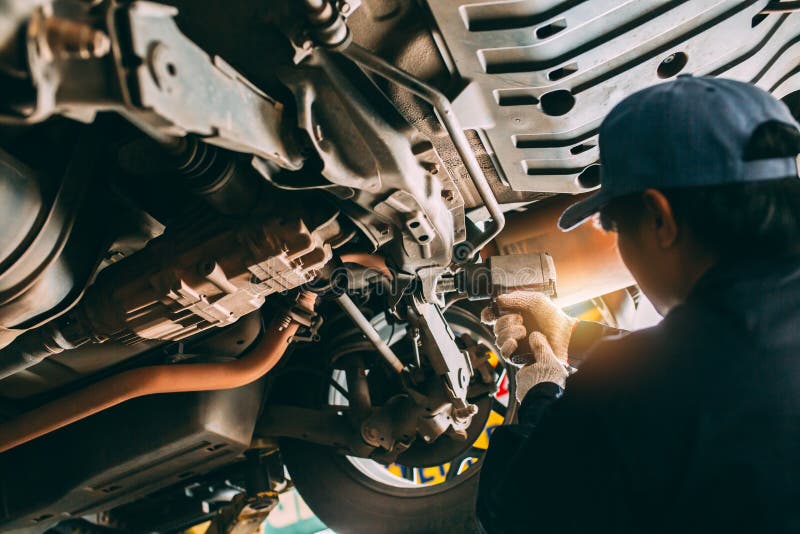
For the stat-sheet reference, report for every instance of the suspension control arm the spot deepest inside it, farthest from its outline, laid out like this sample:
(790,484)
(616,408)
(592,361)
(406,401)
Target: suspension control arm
(131,58)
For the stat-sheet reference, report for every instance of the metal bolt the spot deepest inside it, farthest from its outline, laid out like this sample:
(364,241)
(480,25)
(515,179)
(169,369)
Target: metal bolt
(344,8)
(307,45)
(448,195)
(467,411)
(69,39)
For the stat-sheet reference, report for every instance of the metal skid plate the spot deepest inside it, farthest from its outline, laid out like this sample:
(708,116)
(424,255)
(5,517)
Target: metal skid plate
(550,70)
(124,453)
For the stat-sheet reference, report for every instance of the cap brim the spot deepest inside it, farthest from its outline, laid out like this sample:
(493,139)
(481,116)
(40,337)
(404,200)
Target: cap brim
(579,212)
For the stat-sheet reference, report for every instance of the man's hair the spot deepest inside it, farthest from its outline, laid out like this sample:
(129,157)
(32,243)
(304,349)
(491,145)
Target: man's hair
(729,220)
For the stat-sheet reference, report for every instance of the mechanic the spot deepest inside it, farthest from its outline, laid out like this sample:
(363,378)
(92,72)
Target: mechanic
(692,425)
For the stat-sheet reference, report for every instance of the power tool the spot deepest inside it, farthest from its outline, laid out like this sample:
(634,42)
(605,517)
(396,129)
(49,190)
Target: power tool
(499,275)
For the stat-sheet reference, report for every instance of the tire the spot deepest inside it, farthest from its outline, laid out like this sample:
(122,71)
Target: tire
(348,501)
(346,498)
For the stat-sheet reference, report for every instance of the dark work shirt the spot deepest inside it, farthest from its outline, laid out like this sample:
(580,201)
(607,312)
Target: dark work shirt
(690,426)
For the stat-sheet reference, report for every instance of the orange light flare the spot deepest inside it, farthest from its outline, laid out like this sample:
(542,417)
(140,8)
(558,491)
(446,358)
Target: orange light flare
(587,260)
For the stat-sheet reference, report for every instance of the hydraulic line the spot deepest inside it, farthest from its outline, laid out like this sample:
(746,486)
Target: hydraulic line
(157,379)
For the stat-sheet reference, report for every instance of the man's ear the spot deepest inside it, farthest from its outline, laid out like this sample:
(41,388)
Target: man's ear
(660,214)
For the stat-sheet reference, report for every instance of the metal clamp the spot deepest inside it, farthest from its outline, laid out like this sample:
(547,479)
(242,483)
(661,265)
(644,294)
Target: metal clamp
(305,316)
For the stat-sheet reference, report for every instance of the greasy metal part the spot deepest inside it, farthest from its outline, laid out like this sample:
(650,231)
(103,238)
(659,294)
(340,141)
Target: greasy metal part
(154,76)
(205,282)
(438,343)
(371,166)
(155,380)
(432,414)
(245,514)
(35,345)
(183,284)
(328,26)
(401,33)
(587,258)
(548,71)
(248,510)
(359,398)
(223,178)
(440,448)
(350,308)
(393,427)
(444,110)
(50,247)
(419,409)
(324,427)
(68,39)
(178,82)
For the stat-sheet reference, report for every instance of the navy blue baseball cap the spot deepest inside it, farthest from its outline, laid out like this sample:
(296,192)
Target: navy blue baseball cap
(688,132)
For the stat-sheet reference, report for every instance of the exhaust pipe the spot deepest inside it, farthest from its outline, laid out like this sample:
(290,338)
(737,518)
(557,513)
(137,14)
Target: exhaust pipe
(154,380)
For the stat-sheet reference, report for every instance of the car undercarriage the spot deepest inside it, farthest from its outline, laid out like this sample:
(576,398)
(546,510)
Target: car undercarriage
(241,243)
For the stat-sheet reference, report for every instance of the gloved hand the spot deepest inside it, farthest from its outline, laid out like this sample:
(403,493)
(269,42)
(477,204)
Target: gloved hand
(523,312)
(547,368)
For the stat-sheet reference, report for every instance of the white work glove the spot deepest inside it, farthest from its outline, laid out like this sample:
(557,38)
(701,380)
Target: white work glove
(523,312)
(547,368)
